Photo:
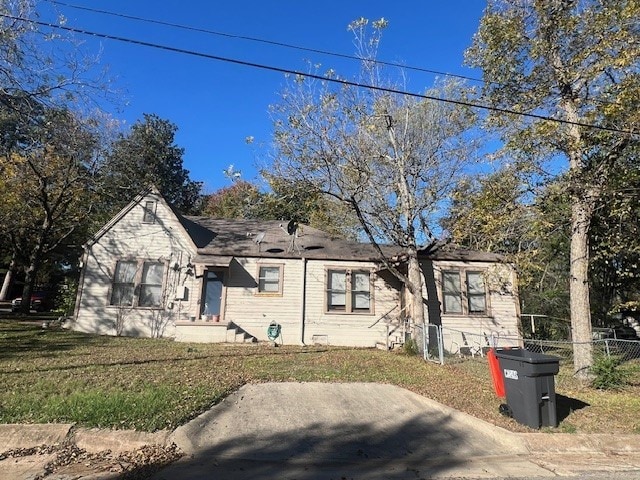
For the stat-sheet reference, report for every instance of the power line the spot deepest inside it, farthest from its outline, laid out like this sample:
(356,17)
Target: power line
(267,42)
(313,76)
(287,45)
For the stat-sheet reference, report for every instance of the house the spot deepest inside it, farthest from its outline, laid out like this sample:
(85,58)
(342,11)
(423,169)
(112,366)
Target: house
(152,272)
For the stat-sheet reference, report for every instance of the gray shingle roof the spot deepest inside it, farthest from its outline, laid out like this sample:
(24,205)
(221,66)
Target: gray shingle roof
(269,239)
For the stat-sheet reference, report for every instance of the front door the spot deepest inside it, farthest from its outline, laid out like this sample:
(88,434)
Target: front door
(212,295)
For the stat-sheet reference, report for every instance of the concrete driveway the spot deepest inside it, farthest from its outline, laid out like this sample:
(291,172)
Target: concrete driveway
(315,430)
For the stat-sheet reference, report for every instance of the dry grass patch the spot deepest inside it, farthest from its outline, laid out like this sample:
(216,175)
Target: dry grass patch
(62,376)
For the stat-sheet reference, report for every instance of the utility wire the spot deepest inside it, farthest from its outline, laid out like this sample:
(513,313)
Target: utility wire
(286,45)
(314,76)
(261,40)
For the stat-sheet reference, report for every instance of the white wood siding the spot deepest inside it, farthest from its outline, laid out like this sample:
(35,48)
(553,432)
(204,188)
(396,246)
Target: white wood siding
(253,311)
(130,238)
(502,318)
(356,329)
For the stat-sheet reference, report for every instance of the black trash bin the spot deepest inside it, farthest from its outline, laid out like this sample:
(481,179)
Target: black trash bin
(529,386)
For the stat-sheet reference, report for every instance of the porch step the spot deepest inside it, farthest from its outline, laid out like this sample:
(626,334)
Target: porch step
(236,334)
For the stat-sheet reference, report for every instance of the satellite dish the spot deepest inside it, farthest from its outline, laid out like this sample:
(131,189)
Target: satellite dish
(292,226)
(259,238)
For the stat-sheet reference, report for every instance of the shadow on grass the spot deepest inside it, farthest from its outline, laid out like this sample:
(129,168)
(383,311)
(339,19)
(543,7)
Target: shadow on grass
(19,336)
(565,405)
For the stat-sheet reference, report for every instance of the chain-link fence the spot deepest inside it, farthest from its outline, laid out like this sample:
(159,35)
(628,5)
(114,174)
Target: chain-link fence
(430,342)
(448,345)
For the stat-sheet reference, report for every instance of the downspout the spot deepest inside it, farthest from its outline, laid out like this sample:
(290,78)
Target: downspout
(303,302)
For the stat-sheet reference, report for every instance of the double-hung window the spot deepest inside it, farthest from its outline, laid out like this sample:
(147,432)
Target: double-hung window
(476,296)
(452,292)
(123,287)
(270,279)
(137,283)
(465,298)
(349,291)
(151,284)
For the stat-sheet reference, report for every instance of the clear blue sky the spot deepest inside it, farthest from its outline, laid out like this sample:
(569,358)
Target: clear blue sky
(215,104)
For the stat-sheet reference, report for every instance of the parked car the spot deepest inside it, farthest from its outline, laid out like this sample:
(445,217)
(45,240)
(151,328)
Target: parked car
(620,332)
(40,302)
(625,333)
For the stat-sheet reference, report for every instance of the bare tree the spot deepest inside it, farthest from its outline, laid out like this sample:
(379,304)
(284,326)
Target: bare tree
(392,158)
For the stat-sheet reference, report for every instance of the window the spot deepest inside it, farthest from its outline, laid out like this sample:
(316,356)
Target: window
(360,292)
(149,212)
(472,299)
(476,293)
(269,279)
(137,284)
(337,290)
(151,284)
(349,291)
(124,283)
(452,292)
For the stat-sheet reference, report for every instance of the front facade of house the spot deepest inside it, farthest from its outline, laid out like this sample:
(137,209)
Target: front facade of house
(154,273)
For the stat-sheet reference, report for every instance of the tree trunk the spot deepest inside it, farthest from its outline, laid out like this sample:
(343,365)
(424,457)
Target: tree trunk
(27,291)
(8,280)
(35,260)
(415,288)
(581,212)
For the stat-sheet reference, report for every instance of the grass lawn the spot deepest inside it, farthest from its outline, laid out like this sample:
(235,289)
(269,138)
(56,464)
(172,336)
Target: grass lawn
(53,375)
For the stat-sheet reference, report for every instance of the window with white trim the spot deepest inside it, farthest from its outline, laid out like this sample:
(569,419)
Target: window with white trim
(348,291)
(270,279)
(468,298)
(137,283)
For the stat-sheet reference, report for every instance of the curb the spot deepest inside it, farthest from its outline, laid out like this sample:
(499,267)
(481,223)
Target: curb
(14,436)
(541,443)
(94,440)
(510,440)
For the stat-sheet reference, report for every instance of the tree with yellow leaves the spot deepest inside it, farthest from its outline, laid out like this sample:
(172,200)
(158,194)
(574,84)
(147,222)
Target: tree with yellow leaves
(577,62)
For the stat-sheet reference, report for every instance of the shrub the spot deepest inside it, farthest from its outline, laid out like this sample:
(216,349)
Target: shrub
(411,347)
(607,374)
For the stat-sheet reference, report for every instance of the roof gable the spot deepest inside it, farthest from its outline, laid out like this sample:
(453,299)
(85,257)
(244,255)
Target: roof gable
(151,193)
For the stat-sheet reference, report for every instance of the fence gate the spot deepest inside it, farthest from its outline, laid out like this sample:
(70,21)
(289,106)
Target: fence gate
(432,344)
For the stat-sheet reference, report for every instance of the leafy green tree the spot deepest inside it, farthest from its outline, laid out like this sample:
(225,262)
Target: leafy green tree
(504,212)
(43,78)
(615,243)
(238,200)
(490,213)
(144,156)
(578,63)
(283,201)
(47,185)
(391,159)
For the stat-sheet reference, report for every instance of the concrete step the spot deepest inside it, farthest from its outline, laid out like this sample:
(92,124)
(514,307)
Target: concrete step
(236,334)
